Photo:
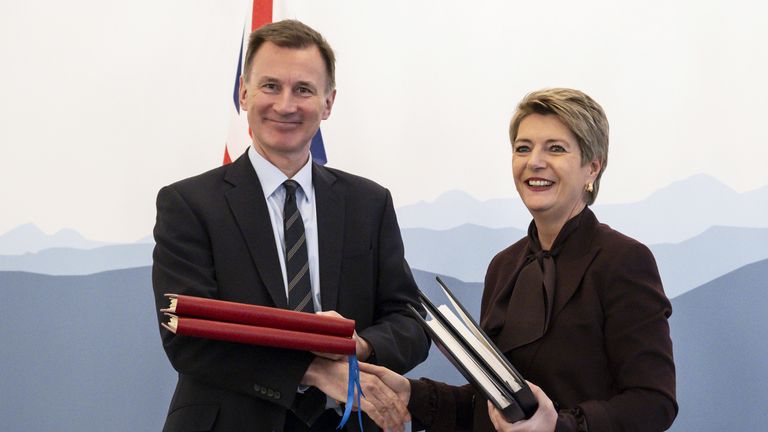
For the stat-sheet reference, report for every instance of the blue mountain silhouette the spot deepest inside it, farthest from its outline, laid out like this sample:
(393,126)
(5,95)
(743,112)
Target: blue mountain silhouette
(69,261)
(80,351)
(455,208)
(465,251)
(462,252)
(686,208)
(713,253)
(672,214)
(29,238)
(719,331)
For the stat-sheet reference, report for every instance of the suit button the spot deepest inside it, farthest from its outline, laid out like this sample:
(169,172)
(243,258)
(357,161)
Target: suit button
(256,387)
(263,390)
(277,395)
(270,392)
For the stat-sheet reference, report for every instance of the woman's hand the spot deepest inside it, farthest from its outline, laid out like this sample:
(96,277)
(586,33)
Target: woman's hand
(396,382)
(543,420)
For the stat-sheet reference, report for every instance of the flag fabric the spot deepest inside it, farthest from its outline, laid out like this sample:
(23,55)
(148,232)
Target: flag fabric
(239,135)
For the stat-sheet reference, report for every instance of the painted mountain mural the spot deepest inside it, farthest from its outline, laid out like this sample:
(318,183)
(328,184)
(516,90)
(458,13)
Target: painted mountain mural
(29,238)
(80,343)
(85,351)
(462,252)
(72,261)
(672,214)
(719,331)
(81,353)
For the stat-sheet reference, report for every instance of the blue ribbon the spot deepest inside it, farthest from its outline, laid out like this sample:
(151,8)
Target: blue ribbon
(352,399)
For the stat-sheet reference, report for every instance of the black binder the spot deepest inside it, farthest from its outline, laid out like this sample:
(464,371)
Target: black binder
(470,350)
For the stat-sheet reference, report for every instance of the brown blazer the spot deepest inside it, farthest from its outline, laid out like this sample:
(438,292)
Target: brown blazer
(607,350)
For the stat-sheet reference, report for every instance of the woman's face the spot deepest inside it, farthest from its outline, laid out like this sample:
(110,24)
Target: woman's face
(546,166)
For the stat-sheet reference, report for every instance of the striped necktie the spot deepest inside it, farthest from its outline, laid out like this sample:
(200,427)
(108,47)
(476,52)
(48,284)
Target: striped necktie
(296,259)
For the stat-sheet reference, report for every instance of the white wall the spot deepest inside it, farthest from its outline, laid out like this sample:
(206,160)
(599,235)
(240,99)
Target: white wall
(103,102)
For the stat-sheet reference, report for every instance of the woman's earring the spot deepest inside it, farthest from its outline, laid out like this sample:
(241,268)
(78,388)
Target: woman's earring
(589,188)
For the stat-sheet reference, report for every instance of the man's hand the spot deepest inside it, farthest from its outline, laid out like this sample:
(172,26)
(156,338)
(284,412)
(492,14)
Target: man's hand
(362,347)
(543,420)
(382,405)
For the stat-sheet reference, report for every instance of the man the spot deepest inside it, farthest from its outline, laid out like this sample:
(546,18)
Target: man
(228,234)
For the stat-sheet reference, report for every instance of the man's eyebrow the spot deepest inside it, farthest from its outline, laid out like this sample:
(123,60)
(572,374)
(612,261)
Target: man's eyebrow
(306,84)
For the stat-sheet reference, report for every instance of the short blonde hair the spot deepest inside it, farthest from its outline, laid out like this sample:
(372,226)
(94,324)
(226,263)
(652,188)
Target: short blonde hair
(580,113)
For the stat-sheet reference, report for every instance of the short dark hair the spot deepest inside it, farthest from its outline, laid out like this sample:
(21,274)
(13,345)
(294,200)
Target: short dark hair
(291,34)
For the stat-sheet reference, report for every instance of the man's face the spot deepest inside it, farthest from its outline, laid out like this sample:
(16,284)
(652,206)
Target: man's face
(286,97)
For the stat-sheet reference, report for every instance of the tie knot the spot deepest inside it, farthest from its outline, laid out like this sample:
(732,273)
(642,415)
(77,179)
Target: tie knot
(290,187)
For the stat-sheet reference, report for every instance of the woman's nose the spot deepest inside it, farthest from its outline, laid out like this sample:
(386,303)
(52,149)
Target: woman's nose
(537,159)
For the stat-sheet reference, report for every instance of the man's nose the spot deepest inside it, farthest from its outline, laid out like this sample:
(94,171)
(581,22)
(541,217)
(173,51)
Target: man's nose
(285,103)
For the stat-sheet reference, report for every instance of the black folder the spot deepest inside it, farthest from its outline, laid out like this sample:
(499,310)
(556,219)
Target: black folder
(470,350)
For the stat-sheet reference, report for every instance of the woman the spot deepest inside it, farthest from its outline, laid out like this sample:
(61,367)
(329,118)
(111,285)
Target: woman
(577,307)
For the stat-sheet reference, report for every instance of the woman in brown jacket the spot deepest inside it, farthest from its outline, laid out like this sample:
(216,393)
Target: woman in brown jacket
(577,307)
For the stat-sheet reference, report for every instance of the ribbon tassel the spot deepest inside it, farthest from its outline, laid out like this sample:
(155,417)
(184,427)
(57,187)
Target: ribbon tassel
(353,398)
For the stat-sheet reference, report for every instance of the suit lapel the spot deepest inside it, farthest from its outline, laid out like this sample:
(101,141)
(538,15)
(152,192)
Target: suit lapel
(246,200)
(574,262)
(330,203)
(570,275)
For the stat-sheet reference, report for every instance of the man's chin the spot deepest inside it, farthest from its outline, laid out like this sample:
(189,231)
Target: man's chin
(286,149)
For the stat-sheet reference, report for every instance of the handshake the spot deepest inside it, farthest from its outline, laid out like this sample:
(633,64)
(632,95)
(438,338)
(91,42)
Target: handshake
(386,392)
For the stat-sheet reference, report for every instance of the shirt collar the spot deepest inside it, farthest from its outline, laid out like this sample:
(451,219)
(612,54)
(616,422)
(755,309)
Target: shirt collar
(272,178)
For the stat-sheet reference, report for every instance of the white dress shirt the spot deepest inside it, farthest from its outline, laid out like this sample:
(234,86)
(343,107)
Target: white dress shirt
(272,179)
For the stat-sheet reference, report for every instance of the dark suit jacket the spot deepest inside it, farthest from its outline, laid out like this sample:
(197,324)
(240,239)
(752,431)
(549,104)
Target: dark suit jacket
(214,239)
(607,350)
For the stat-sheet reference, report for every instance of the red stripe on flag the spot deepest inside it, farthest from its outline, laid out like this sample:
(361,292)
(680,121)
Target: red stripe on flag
(227,159)
(262,13)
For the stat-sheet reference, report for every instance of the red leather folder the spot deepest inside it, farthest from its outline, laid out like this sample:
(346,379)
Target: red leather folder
(261,316)
(254,335)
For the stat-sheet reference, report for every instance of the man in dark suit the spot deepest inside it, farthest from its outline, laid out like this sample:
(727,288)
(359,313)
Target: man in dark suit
(227,234)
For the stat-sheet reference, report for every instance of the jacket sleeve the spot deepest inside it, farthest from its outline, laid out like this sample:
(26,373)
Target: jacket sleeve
(183,264)
(639,348)
(437,407)
(398,340)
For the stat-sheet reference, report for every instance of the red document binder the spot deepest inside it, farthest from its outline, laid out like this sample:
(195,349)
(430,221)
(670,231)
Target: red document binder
(259,325)
(264,336)
(262,316)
